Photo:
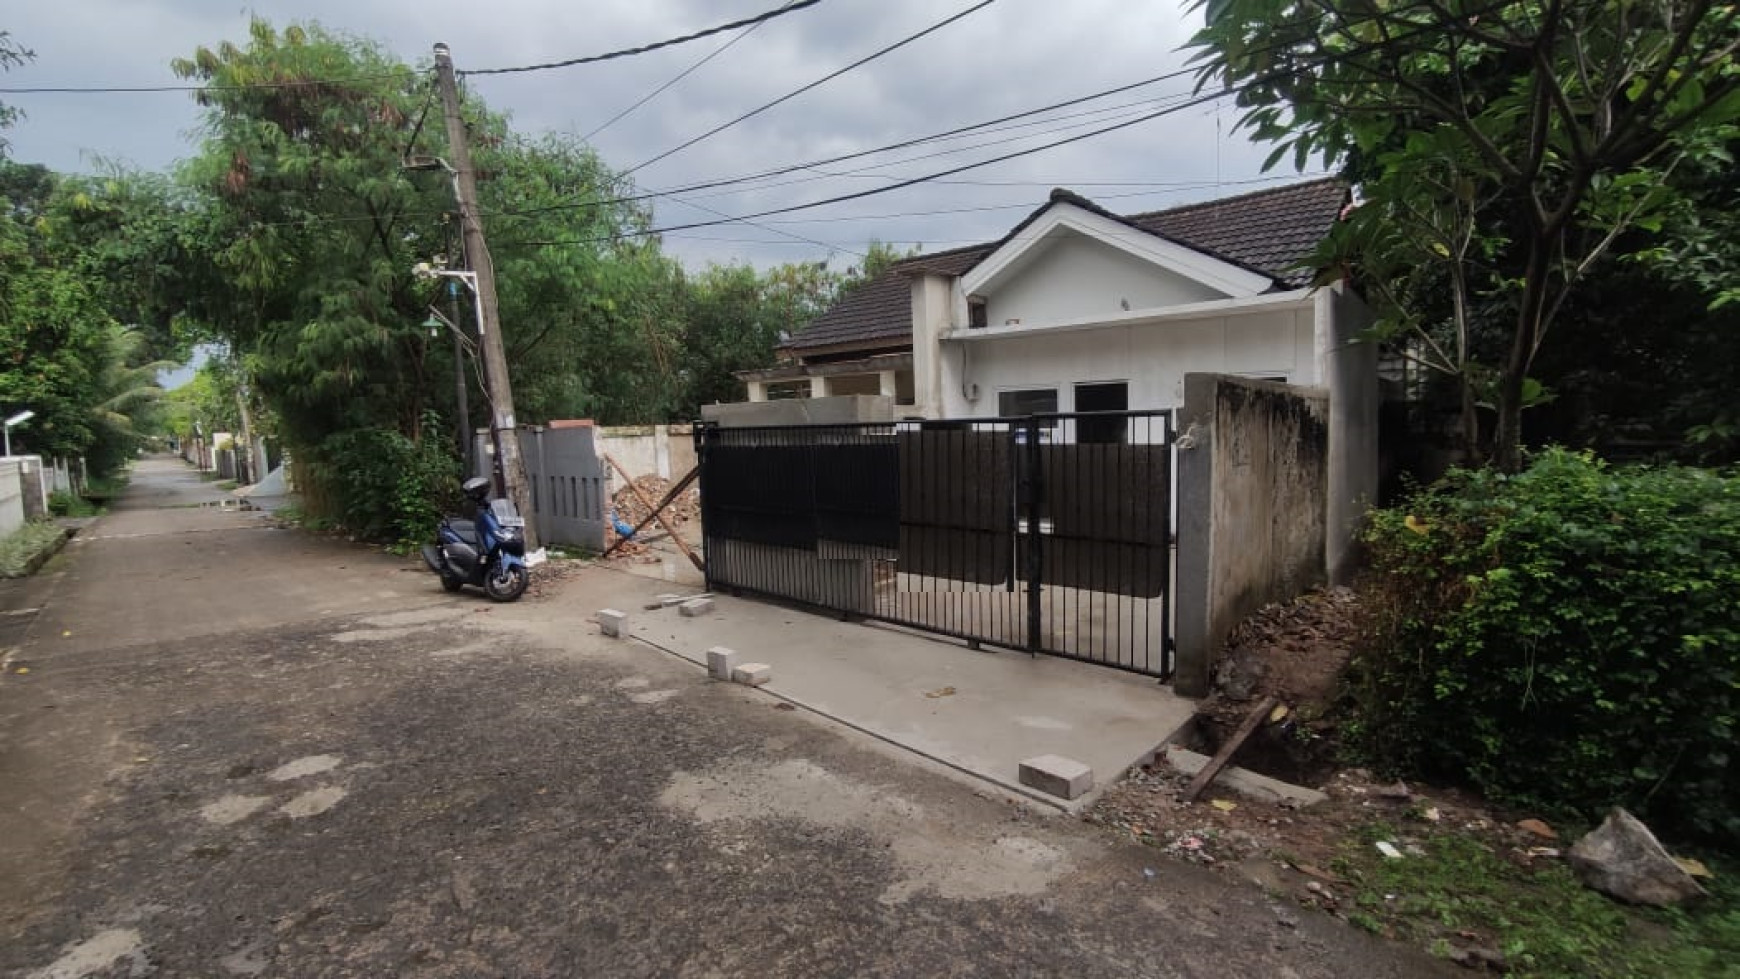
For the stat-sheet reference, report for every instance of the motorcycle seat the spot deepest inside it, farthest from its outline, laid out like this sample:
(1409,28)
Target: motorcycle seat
(466,529)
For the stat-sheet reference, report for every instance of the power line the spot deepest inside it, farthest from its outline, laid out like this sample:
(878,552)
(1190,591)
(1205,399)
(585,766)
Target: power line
(758,19)
(859,154)
(900,185)
(818,82)
(655,93)
(247,86)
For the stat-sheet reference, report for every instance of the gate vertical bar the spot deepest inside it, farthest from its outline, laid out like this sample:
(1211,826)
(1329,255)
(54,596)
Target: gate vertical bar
(1035,558)
(702,432)
(1168,540)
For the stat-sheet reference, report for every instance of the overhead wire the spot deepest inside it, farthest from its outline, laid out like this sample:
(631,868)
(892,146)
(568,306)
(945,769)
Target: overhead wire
(757,20)
(655,93)
(982,4)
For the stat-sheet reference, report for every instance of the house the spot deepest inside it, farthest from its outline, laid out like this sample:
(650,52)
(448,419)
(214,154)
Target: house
(1081,309)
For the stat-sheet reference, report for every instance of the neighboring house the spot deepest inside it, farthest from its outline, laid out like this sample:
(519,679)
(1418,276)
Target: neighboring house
(1080,309)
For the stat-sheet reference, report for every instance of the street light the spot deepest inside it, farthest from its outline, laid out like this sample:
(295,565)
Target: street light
(17,419)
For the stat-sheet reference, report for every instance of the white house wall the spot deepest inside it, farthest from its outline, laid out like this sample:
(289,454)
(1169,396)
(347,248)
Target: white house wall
(1075,276)
(1151,358)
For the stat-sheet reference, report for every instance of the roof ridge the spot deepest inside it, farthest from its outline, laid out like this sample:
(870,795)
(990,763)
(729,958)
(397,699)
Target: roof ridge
(1248,195)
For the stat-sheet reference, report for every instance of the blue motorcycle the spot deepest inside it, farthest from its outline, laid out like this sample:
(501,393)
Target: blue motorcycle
(488,553)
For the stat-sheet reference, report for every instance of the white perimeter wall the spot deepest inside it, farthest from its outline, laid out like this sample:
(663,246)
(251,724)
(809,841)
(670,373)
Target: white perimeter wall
(1152,358)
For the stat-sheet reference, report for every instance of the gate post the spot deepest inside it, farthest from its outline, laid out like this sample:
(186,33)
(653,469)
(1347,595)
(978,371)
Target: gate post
(1034,483)
(702,433)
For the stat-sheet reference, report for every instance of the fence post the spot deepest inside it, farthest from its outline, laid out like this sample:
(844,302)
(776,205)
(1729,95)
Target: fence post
(702,432)
(1033,482)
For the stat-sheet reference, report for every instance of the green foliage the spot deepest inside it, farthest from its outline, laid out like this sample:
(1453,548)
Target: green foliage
(1459,892)
(25,544)
(1565,638)
(390,487)
(64,504)
(1508,146)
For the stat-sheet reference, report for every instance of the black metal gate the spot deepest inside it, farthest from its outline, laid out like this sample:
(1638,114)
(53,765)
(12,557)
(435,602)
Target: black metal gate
(1049,533)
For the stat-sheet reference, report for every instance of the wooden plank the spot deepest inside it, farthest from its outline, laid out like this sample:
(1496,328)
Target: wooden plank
(1224,755)
(670,495)
(656,514)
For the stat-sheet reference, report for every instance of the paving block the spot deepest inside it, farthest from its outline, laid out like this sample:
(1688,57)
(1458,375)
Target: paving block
(752,674)
(1246,783)
(720,662)
(696,606)
(611,622)
(1056,775)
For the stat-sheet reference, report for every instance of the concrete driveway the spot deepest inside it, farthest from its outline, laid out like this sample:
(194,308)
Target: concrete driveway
(227,750)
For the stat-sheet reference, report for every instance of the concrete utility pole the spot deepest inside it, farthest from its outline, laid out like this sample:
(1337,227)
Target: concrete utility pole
(501,395)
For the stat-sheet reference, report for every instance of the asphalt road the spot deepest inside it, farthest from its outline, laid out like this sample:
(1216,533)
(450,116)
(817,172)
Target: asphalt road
(230,750)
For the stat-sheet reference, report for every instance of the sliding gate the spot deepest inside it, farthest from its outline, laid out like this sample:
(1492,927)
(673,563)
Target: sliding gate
(1049,533)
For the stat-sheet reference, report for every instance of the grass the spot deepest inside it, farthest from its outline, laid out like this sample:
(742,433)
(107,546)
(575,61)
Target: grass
(1463,893)
(64,504)
(226,484)
(19,547)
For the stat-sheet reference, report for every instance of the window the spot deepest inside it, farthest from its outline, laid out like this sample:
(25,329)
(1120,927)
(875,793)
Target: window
(976,313)
(1108,396)
(1033,401)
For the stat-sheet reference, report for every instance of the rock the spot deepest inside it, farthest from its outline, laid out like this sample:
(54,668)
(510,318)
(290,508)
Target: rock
(1479,958)
(1623,859)
(1398,791)
(1538,828)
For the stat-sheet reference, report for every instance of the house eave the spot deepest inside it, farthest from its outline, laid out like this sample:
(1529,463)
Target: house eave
(1293,299)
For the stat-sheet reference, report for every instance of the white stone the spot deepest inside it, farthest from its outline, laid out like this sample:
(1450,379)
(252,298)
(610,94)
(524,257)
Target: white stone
(696,606)
(752,674)
(1056,775)
(721,661)
(611,622)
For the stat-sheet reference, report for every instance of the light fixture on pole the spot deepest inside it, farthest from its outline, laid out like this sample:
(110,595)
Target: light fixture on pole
(16,420)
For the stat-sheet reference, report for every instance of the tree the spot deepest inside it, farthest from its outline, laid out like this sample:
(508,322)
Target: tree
(12,55)
(1535,133)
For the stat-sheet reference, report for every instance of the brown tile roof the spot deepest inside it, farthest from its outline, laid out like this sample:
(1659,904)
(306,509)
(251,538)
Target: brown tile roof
(1266,231)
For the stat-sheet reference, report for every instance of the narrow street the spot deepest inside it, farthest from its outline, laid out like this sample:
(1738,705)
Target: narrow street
(228,749)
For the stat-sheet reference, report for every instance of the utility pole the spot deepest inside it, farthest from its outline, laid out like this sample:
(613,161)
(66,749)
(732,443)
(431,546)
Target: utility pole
(462,403)
(501,395)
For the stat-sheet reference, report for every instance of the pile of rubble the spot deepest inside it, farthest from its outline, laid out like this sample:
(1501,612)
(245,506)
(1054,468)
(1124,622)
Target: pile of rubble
(628,511)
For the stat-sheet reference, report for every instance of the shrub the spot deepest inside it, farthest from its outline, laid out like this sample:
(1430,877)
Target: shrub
(64,504)
(384,486)
(1567,638)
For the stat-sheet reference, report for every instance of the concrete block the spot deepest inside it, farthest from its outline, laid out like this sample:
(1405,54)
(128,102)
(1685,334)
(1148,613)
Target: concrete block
(752,674)
(720,662)
(611,622)
(1055,775)
(696,606)
(1244,782)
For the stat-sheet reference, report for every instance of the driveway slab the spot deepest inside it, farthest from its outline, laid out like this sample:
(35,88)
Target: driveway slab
(980,711)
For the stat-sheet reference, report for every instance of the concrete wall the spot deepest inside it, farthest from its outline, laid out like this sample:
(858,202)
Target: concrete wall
(13,475)
(1152,358)
(1350,372)
(842,410)
(1253,463)
(666,451)
(1074,276)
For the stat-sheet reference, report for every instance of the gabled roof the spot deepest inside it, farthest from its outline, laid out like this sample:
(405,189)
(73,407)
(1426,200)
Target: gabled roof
(1266,231)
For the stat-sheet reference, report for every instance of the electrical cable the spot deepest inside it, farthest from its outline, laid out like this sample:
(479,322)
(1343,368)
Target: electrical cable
(758,19)
(655,93)
(982,4)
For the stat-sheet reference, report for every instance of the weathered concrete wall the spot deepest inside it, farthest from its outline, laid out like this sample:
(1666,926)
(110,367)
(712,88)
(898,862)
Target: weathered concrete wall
(666,451)
(1252,486)
(843,410)
(12,479)
(1350,372)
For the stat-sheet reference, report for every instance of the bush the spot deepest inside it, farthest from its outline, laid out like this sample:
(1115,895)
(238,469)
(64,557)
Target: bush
(64,504)
(384,486)
(1567,639)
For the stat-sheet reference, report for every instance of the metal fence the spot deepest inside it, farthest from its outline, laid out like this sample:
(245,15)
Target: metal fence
(566,479)
(1049,533)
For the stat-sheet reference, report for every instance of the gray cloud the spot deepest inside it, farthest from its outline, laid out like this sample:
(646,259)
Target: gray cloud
(1014,55)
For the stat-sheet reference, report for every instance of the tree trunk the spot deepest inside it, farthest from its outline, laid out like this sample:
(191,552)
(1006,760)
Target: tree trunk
(1507,433)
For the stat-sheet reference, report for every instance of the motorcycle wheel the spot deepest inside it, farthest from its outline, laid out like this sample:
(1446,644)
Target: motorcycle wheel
(450,583)
(505,584)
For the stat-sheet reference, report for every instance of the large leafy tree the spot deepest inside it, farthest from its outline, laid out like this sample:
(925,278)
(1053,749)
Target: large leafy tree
(1509,145)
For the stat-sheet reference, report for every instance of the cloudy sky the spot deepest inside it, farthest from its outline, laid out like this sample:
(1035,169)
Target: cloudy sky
(1011,56)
